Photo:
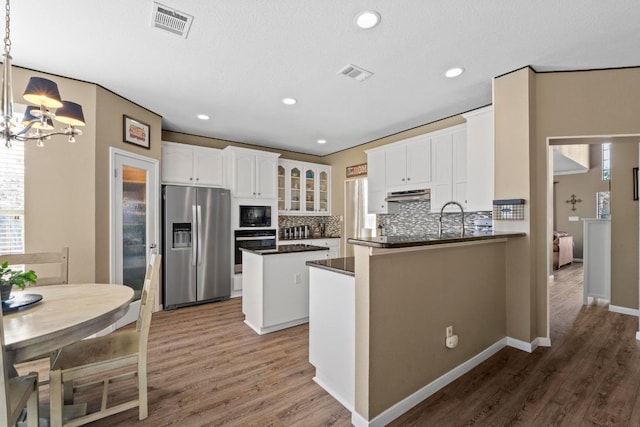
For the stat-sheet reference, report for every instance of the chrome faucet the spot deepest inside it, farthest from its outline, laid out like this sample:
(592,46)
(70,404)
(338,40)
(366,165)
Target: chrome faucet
(442,211)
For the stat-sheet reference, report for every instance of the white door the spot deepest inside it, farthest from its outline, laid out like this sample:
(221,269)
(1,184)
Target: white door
(134,220)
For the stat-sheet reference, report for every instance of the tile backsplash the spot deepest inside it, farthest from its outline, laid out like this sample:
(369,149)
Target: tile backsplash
(333,225)
(416,219)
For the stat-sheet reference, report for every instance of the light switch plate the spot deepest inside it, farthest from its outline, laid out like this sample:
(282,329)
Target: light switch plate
(574,218)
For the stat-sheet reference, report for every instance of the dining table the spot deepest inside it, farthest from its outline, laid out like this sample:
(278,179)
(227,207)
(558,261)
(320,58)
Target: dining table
(64,315)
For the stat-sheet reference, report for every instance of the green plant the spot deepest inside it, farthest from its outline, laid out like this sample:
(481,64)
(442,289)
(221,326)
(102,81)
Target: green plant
(20,279)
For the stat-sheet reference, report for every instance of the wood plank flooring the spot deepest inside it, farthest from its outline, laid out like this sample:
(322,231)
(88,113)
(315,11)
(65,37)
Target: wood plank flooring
(206,368)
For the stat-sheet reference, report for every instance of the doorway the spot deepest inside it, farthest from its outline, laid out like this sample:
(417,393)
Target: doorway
(623,210)
(134,222)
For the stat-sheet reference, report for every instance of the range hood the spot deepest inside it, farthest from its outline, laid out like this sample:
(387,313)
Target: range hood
(409,196)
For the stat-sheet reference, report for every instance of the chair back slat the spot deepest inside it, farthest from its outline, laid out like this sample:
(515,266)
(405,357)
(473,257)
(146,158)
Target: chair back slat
(4,379)
(41,258)
(147,298)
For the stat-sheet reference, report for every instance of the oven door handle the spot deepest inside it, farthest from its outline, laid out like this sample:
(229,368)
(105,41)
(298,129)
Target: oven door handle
(242,239)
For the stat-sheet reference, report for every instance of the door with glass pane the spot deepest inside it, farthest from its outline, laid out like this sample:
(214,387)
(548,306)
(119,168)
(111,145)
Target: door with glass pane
(310,190)
(134,218)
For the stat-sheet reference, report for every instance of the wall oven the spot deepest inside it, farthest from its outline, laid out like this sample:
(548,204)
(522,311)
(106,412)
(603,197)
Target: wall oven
(252,239)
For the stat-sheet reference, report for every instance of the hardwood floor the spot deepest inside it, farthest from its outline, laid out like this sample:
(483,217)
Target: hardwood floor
(206,368)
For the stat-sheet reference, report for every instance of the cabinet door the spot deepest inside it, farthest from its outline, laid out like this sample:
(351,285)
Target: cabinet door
(396,166)
(459,171)
(208,167)
(177,164)
(310,179)
(442,165)
(245,175)
(266,170)
(324,191)
(376,178)
(295,177)
(283,204)
(418,155)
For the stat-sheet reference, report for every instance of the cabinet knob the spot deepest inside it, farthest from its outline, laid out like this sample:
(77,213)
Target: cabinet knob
(190,179)
(403,179)
(197,179)
(408,179)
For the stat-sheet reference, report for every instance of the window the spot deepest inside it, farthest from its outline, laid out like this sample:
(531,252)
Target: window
(606,162)
(602,205)
(12,198)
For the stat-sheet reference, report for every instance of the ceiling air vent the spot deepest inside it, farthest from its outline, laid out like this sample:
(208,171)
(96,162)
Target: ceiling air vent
(171,20)
(355,72)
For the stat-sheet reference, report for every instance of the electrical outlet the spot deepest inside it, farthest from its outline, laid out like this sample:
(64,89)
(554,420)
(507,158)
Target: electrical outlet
(449,331)
(297,278)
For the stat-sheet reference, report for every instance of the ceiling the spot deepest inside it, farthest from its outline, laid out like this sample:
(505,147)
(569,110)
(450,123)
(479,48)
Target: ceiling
(242,57)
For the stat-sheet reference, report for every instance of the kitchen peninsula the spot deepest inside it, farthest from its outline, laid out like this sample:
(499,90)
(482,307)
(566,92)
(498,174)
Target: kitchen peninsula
(402,293)
(275,286)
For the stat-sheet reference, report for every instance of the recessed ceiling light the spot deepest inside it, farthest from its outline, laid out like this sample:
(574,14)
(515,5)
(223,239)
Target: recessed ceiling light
(203,117)
(367,19)
(322,141)
(454,72)
(289,101)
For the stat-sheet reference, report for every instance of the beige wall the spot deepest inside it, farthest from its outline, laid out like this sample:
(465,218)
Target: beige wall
(185,138)
(513,103)
(402,314)
(67,185)
(59,184)
(624,226)
(109,123)
(567,104)
(584,186)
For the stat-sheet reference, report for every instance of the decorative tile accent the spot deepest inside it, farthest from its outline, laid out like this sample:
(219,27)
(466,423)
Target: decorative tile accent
(416,219)
(333,225)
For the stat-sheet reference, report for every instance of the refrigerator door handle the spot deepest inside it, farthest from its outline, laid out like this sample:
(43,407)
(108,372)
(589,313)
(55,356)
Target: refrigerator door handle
(194,227)
(199,235)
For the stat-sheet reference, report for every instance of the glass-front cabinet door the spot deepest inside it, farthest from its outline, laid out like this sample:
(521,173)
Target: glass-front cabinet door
(295,177)
(310,190)
(281,189)
(323,191)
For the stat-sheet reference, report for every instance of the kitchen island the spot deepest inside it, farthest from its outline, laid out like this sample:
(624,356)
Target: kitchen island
(275,286)
(405,293)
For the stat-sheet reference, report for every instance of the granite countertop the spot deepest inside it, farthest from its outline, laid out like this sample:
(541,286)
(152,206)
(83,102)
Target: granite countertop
(337,265)
(391,242)
(311,238)
(286,249)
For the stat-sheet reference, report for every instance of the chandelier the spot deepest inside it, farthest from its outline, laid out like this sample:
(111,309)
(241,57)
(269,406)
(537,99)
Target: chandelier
(37,122)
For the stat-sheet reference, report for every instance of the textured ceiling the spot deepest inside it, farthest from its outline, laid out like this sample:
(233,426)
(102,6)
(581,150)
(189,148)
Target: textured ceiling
(242,57)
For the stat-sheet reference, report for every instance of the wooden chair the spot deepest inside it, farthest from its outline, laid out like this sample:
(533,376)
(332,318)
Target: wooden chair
(100,357)
(40,258)
(17,392)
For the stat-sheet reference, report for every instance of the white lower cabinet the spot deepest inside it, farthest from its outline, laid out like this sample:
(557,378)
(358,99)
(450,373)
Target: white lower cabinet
(332,333)
(333,243)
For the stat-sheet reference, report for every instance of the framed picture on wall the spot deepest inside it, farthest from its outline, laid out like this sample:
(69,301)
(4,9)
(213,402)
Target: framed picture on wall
(136,132)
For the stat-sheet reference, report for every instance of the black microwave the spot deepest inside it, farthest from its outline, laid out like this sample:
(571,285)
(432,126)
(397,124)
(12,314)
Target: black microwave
(255,216)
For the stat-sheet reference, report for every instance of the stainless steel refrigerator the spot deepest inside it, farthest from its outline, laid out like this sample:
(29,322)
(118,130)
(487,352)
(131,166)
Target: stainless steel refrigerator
(196,245)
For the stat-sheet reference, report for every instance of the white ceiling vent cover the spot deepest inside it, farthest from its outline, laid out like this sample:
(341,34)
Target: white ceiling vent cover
(355,72)
(172,20)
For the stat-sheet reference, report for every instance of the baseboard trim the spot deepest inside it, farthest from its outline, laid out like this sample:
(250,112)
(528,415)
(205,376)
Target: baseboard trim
(412,400)
(333,393)
(578,260)
(624,310)
(279,326)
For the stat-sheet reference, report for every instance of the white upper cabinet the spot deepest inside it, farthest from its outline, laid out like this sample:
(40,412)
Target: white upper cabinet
(480,159)
(449,163)
(303,188)
(408,164)
(376,182)
(192,165)
(253,173)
